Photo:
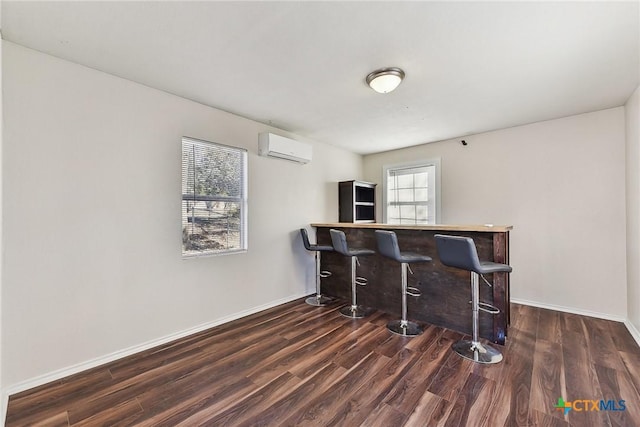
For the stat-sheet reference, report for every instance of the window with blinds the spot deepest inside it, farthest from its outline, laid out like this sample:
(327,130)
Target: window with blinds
(214,198)
(410,194)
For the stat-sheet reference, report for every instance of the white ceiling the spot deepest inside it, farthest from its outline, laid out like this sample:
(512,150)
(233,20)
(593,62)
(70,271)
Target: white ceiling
(300,66)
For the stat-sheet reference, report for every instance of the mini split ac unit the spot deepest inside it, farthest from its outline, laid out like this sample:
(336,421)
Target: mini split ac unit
(271,145)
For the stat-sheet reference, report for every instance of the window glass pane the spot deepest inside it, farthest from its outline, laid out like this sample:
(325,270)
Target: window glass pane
(405,195)
(421,194)
(393,214)
(405,181)
(421,179)
(213,198)
(421,213)
(408,212)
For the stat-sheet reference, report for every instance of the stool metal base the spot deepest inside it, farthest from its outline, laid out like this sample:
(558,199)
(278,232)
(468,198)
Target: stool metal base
(356,311)
(318,300)
(404,328)
(477,352)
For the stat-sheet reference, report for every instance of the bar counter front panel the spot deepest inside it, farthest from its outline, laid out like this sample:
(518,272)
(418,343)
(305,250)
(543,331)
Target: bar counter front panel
(445,292)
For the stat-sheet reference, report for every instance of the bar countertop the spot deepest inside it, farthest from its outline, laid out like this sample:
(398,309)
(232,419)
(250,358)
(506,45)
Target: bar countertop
(430,227)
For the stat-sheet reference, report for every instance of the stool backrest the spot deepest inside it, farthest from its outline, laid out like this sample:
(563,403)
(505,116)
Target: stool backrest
(339,241)
(388,244)
(305,239)
(459,252)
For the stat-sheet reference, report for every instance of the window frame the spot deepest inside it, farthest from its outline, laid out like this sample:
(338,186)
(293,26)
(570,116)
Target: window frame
(435,162)
(242,200)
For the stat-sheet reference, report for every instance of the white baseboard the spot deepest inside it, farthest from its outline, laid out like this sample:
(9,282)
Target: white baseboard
(630,326)
(89,364)
(572,310)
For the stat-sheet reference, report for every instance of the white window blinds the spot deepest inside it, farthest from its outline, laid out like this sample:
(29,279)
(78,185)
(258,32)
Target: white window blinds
(214,198)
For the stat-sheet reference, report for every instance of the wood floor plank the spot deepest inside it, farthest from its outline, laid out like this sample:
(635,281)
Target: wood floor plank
(472,403)
(548,377)
(320,357)
(540,419)
(448,382)
(572,322)
(321,409)
(253,403)
(368,397)
(47,401)
(408,390)
(309,344)
(165,374)
(632,363)
(298,397)
(622,339)
(431,410)
(124,413)
(549,326)
(511,403)
(384,416)
(581,380)
(616,386)
(303,365)
(602,349)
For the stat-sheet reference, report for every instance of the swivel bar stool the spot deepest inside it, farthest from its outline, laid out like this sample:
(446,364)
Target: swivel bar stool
(388,246)
(339,240)
(319,299)
(460,252)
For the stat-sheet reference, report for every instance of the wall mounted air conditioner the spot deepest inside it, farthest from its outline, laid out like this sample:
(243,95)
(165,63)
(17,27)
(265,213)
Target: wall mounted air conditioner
(271,145)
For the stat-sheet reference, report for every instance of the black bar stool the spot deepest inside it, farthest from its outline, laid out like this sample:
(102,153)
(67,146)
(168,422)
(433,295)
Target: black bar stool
(460,252)
(319,299)
(339,240)
(388,246)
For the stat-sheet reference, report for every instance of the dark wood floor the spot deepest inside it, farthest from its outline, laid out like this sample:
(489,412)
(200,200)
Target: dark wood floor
(301,365)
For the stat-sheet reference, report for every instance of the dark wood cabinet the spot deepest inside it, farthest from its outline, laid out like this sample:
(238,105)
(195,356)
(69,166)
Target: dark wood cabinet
(357,201)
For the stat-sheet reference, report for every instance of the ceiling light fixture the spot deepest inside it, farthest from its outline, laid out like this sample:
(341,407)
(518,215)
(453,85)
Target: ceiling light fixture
(385,80)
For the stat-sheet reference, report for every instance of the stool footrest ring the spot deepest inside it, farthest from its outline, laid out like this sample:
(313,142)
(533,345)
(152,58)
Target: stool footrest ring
(414,292)
(488,308)
(324,274)
(362,281)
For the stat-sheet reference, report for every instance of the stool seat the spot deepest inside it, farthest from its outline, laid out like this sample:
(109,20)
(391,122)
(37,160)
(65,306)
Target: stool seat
(487,267)
(412,258)
(357,252)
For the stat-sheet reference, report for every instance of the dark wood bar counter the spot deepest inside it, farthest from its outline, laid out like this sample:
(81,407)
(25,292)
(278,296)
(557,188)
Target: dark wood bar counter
(445,292)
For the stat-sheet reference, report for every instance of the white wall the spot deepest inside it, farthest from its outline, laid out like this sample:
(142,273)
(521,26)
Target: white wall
(92,217)
(632,110)
(561,184)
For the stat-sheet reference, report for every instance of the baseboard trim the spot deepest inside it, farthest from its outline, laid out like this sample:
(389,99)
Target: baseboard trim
(630,326)
(570,310)
(83,366)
